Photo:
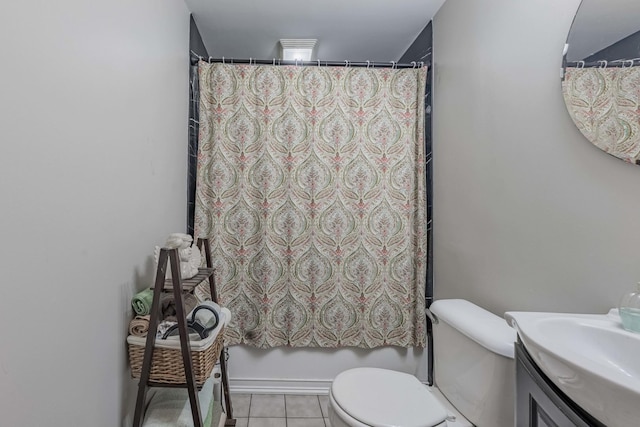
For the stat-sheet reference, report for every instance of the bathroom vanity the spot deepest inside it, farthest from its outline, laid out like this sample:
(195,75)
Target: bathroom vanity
(576,370)
(539,403)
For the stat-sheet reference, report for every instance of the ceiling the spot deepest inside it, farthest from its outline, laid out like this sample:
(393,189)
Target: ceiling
(354,30)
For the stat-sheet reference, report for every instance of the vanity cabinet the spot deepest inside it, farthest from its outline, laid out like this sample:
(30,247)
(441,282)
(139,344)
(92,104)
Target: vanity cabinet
(539,403)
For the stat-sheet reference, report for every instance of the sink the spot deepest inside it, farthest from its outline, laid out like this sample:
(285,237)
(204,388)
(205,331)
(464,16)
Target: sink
(590,357)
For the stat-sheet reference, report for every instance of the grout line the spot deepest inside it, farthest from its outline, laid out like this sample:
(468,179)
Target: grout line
(286,419)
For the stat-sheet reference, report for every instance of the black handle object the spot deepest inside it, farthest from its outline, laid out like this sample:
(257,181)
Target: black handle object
(204,330)
(194,324)
(173,328)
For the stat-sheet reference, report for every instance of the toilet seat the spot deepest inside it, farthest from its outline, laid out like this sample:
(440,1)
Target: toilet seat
(385,398)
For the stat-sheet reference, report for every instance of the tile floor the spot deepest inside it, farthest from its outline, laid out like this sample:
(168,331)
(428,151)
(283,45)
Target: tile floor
(279,410)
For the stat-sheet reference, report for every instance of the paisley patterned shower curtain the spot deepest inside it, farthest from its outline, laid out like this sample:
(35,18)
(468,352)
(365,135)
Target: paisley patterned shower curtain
(311,190)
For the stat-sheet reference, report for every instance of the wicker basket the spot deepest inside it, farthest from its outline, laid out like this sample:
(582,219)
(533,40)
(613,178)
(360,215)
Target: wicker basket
(167,366)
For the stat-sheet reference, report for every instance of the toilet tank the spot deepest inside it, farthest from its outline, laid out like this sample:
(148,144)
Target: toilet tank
(474,362)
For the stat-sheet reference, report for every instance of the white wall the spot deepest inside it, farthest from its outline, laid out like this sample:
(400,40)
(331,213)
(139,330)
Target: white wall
(528,215)
(93,127)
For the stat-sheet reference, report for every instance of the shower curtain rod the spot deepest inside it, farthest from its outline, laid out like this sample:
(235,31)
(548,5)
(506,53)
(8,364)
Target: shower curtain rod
(624,63)
(366,64)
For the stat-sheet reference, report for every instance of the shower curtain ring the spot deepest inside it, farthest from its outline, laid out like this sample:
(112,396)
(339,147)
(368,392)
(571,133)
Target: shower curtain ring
(603,64)
(414,64)
(368,64)
(628,60)
(580,64)
(318,62)
(223,59)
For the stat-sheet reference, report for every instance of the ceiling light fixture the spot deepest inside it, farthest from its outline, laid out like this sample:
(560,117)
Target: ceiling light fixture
(297,49)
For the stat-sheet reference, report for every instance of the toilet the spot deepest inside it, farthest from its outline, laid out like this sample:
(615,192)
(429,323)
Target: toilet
(474,375)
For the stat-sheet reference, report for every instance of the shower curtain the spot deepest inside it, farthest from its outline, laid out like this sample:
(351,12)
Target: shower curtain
(311,189)
(605,105)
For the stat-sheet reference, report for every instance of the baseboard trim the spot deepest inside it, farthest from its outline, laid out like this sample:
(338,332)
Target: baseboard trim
(278,386)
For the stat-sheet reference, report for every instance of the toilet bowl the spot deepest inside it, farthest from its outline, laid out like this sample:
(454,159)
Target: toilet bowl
(474,375)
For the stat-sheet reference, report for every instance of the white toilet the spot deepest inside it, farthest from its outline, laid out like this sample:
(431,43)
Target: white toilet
(474,379)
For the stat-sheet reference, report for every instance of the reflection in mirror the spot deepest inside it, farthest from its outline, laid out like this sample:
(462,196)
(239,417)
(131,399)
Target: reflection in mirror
(601,78)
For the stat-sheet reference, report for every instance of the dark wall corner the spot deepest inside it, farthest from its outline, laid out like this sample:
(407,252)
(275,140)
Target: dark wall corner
(626,48)
(196,44)
(420,49)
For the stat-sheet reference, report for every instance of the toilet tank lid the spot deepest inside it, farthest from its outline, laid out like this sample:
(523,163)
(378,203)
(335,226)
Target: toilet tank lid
(478,324)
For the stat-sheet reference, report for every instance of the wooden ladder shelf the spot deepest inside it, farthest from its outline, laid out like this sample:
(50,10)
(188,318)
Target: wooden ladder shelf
(178,286)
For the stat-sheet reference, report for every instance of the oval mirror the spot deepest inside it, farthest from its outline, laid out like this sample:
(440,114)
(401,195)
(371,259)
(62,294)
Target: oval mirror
(601,75)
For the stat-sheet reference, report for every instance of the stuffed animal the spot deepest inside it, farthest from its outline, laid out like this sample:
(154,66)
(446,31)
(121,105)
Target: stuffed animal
(190,257)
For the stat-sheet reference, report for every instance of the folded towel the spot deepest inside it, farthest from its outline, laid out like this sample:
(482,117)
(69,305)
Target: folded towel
(168,305)
(141,302)
(139,326)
